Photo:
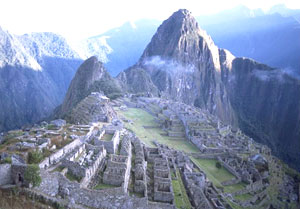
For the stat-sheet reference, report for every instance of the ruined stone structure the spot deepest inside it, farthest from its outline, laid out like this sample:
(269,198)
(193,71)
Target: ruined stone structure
(163,190)
(5,174)
(93,108)
(110,139)
(117,172)
(83,161)
(140,178)
(60,154)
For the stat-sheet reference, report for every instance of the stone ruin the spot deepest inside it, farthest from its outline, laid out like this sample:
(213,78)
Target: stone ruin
(93,108)
(163,190)
(83,161)
(140,178)
(117,172)
(110,139)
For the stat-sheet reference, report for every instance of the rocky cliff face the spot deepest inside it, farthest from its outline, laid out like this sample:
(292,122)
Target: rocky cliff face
(181,62)
(35,70)
(91,76)
(267,104)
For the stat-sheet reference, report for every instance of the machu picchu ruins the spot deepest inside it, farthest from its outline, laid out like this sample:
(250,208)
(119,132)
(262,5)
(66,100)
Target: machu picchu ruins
(144,152)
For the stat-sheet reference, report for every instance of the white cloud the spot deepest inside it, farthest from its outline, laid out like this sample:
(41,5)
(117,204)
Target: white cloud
(82,18)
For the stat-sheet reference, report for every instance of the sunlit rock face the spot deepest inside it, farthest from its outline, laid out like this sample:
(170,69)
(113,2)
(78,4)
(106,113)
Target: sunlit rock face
(182,63)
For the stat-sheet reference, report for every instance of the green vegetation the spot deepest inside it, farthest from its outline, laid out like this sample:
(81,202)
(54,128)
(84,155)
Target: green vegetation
(46,152)
(234,188)
(234,205)
(103,186)
(32,175)
(13,134)
(180,195)
(216,175)
(107,137)
(35,157)
(218,165)
(72,177)
(109,87)
(243,197)
(58,169)
(142,118)
(51,127)
(6,161)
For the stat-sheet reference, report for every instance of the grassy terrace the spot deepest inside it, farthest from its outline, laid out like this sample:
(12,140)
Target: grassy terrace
(216,175)
(107,137)
(142,118)
(72,177)
(181,198)
(103,186)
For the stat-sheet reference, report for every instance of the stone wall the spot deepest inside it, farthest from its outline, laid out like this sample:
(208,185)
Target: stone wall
(163,189)
(5,174)
(57,156)
(86,169)
(117,172)
(17,174)
(110,146)
(140,179)
(77,197)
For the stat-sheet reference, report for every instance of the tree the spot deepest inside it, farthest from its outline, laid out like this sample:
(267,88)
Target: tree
(218,165)
(32,175)
(35,157)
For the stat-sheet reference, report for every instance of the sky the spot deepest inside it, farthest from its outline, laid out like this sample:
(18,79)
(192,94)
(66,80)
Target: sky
(78,19)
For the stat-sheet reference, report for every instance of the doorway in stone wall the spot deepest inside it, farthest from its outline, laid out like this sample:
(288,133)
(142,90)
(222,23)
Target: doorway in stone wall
(20,179)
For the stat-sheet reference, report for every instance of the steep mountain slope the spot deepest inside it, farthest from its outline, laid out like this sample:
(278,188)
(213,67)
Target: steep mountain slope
(35,70)
(91,76)
(181,62)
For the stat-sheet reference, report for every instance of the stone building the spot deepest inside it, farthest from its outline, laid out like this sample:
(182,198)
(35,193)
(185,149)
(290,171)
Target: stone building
(140,179)
(117,172)
(163,189)
(83,161)
(110,139)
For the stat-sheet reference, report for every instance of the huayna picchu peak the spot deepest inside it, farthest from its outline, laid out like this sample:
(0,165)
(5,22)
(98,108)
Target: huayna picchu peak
(189,125)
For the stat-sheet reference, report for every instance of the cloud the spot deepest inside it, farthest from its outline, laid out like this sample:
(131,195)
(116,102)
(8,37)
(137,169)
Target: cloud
(169,65)
(278,74)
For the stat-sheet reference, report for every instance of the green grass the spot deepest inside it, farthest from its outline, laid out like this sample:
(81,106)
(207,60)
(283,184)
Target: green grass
(180,195)
(107,137)
(58,169)
(71,177)
(234,205)
(243,197)
(103,186)
(142,118)
(214,174)
(234,187)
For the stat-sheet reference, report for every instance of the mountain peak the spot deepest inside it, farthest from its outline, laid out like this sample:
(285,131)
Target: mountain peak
(182,12)
(91,76)
(179,38)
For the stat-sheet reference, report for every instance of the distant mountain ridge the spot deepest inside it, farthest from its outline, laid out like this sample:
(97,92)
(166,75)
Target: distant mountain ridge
(35,72)
(120,47)
(269,38)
